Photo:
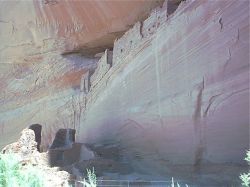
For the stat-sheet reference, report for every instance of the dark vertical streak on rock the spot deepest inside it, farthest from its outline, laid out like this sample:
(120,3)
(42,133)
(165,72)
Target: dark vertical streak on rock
(198,129)
(221,24)
(141,27)
(211,101)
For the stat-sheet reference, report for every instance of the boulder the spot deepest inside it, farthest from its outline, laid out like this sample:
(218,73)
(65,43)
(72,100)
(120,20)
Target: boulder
(25,150)
(25,146)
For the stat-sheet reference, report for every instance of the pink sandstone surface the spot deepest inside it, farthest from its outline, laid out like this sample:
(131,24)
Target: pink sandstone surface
(39,75)
(175,97)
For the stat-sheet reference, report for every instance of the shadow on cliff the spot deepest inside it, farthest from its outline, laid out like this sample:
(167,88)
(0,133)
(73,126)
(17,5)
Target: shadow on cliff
(75,158)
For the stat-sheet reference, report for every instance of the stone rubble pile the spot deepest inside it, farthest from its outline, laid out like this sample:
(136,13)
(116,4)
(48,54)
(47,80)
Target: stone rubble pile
(26,149)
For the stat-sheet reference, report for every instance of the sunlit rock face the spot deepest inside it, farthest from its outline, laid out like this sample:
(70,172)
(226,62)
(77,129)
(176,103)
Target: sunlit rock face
(176,99)
(42,44)
(172,94)
(32,27)
(42,90)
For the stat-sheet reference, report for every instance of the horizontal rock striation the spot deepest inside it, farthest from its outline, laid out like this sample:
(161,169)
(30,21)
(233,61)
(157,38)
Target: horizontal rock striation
(41,58)
(177,92)
(33,27)
(171,94)
(43,92)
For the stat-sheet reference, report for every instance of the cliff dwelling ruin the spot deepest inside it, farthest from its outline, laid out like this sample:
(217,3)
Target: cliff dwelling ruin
(141,90)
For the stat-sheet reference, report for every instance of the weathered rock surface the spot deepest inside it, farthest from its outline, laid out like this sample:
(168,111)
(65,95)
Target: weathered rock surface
(178,93)
(43,90)
(33,27)
(41,61)
(174,99)
(25,149)
(25,146)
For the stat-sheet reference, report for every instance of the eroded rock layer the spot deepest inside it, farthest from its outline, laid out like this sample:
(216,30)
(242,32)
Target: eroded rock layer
(172,94)
(176,98)
(41,58)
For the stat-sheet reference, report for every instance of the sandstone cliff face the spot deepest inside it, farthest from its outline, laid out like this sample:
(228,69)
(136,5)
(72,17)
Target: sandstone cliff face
(172,93)
(178,91)
(41,57)
(43,26)
(42,91)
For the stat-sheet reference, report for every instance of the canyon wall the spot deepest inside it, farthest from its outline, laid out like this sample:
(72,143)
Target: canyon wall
(42,90)
(43,49)
(172,93)
(177,95)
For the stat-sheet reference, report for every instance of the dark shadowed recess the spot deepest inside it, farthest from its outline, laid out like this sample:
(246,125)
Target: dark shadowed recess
(37,128)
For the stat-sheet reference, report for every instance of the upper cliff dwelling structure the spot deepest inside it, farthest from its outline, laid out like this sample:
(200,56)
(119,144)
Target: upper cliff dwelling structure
(138,89)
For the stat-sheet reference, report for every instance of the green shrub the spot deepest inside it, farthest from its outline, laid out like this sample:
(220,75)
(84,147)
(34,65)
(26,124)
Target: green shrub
(177,184)
(245,177)
(12,174)
(91,179)
(92,182)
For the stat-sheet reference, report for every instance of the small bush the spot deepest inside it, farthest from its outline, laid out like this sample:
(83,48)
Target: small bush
(177,184)
(245,177)
(12,174)
(92,182)
(91,179)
